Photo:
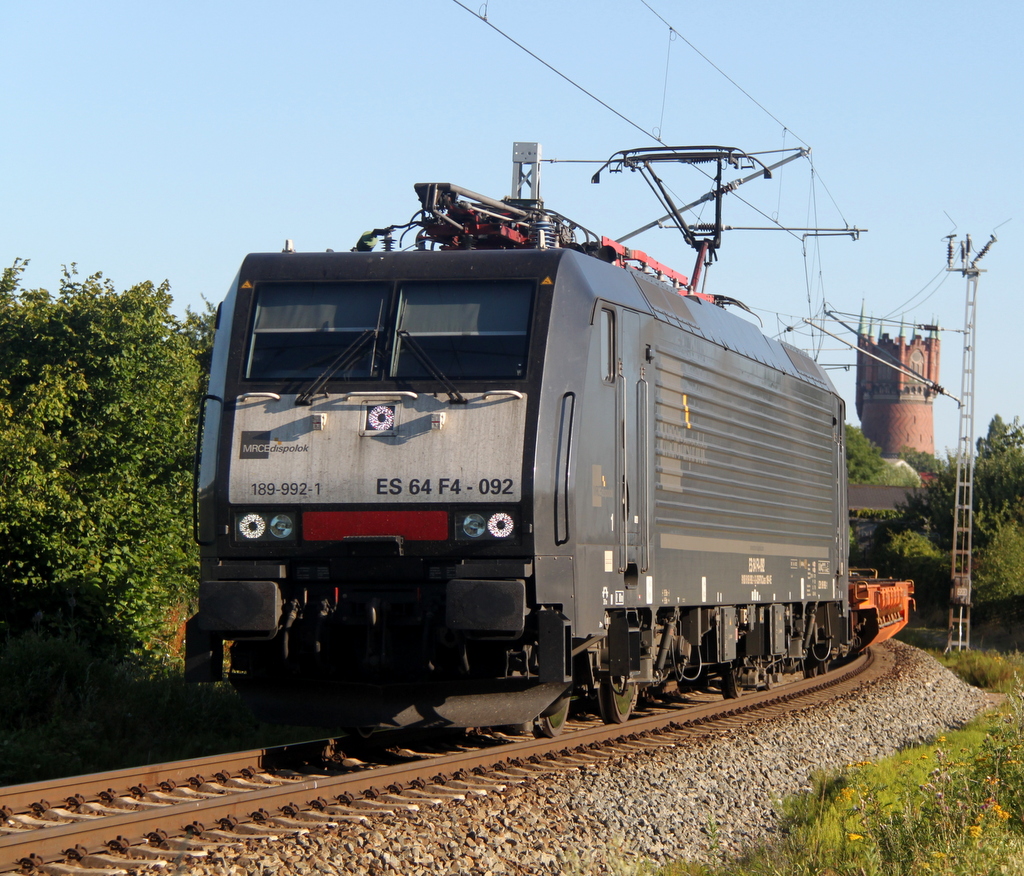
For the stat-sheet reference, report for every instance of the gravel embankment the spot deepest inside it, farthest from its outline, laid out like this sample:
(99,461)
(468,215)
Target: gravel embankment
(673,804)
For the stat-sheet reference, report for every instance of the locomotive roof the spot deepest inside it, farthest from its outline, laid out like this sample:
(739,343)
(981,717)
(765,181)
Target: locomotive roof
(698,315)
(624,285)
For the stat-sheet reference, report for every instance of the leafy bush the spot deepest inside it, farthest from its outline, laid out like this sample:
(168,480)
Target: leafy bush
(67,712)
(97,402)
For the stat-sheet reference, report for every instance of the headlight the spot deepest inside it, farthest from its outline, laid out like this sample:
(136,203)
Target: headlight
(500,525)
(474,525)
(281,525)
(252,526)
(486,525)
(264,526)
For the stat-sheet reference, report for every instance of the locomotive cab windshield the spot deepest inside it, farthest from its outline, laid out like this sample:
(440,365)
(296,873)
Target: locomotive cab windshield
(299,328)
(464,330)
(467,331)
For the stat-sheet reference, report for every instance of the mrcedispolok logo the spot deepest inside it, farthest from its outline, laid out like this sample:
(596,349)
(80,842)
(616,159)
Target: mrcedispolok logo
(258,445)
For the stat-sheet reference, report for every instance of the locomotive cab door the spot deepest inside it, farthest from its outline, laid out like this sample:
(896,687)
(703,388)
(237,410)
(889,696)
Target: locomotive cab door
(632,452)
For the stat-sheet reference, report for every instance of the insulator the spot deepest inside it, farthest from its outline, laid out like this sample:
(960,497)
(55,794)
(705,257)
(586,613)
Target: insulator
(949,252)
(542,235)
(389,242)
(985,249)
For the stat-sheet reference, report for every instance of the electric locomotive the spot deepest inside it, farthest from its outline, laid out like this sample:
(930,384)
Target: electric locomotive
(455,486)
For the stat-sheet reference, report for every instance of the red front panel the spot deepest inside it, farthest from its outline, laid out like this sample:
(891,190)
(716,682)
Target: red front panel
(411,525)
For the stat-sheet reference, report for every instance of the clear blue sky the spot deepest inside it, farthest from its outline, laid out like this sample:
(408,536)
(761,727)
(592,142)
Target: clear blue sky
(165,141)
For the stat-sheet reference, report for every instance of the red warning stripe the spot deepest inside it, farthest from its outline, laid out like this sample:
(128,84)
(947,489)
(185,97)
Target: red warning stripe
(411,525)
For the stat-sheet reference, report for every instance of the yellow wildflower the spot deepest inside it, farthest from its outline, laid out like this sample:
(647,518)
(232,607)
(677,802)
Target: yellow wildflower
(854,836)
(974,830)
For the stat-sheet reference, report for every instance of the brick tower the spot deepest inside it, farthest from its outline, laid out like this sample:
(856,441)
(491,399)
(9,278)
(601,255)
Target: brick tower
(895,410)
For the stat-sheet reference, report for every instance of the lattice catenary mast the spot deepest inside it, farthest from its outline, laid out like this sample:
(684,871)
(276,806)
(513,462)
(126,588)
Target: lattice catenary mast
(963,520)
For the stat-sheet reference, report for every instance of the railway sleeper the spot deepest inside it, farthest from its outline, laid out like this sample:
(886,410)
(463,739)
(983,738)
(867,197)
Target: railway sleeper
(57,869)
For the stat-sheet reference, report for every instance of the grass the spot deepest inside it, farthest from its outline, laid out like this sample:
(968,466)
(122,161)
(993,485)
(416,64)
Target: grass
(67,712)
(952,808)
(985,669)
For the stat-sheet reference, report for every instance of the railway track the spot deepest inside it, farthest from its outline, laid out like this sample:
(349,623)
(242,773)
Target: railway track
(150,816)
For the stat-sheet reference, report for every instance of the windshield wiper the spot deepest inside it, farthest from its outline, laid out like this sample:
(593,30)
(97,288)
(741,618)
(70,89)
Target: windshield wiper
(454,396)
(345,359)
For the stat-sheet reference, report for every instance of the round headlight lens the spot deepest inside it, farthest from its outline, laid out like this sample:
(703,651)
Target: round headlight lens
(474,525)
(500,525)
(381,418)
(281,525)
(252,526)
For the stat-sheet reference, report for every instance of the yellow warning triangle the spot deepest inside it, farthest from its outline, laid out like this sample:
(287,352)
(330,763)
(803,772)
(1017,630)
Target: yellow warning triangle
(547,281)
(247,285)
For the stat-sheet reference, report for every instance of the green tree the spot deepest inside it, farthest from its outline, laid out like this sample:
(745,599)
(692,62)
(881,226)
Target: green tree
(199,328)
(998,487)
(97,401)
(1002,438)
(865,464)
(864,461)
(998,576)
(998,537)
(906,554)
(919,460)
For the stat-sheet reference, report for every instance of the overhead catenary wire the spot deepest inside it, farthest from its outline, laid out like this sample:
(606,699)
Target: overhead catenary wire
(815,261)
(785,128)
(813,274)
(891,362)
(902,307)
(732,81)
(673,33)
(558,72)
(664,90)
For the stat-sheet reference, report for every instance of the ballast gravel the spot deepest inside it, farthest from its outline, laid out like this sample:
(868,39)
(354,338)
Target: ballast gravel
(710,795)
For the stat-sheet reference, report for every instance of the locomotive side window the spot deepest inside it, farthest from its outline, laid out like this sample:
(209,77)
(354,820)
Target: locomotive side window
(608,345)
(300,328)
(465,330)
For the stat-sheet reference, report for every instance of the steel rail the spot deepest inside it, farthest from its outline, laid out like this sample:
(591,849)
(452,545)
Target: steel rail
(192,816)
(21,797)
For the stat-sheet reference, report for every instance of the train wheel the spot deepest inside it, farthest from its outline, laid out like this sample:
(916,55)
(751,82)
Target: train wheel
(551,721)
(814,667)
(730,682)
(615,698)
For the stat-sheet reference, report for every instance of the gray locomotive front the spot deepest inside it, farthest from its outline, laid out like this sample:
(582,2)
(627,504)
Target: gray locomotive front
(443,487)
